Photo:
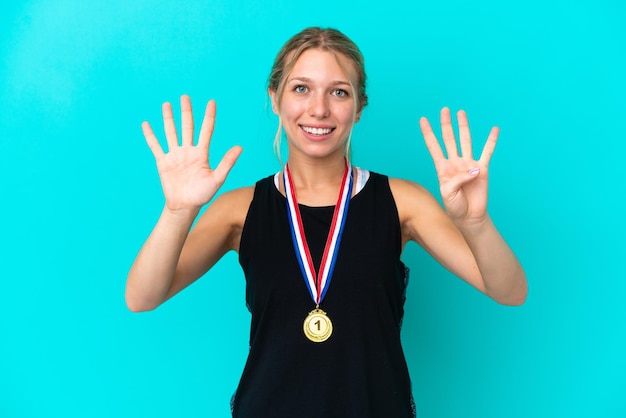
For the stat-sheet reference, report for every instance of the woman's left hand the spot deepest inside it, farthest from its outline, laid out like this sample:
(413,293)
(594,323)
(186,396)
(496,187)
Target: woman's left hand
(463,180)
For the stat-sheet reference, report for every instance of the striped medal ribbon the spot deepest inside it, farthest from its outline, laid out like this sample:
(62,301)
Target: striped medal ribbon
(317,325)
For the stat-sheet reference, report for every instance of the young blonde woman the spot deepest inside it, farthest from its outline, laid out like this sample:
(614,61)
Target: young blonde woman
(320,242)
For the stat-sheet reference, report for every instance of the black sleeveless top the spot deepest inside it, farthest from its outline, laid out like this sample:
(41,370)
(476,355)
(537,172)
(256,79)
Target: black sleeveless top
(360,371)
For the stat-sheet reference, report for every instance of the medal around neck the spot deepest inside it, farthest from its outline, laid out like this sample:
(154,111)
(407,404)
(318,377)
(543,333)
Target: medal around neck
(317,325)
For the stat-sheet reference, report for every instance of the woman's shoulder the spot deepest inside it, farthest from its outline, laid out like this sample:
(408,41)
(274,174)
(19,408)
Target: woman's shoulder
(238,195)
(230,207)
(412,199)
(238,198)
(402,186)
(241,197)
(224,218)
(401,189)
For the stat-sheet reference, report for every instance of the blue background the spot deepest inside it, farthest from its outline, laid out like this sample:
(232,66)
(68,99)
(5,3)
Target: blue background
(79,193)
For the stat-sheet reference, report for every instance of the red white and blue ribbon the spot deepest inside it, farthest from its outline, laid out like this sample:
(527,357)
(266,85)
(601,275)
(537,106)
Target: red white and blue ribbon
(318,283)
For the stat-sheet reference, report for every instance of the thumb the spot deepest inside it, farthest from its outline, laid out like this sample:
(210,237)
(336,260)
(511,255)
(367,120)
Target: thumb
(459,180)
(227,162)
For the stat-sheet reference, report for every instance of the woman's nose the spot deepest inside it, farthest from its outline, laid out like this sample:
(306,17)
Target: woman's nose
(318,106)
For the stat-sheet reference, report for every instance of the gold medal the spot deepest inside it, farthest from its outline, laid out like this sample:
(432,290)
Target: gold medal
(317,326)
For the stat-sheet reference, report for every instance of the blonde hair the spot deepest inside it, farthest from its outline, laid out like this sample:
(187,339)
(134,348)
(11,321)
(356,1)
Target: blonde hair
(330,40)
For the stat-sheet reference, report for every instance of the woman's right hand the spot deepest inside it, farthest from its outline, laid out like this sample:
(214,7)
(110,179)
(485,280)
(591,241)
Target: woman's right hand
(187,179)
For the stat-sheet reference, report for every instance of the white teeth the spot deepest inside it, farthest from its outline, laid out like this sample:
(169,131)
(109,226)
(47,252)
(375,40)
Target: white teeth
(317,131)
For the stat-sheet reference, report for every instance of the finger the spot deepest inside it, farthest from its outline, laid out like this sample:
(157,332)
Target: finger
(448,133)
(464,135)
(490,146)
(431,140)
(187,120)
(169,126)
(208,123)
(152,140)
(228,161)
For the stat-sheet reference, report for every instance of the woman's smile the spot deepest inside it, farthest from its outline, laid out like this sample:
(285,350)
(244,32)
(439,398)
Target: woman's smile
(316,132)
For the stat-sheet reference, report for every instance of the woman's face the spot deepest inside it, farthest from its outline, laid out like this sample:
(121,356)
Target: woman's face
(317,107)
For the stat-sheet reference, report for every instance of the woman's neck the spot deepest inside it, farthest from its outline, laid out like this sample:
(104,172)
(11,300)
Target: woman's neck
(317,182)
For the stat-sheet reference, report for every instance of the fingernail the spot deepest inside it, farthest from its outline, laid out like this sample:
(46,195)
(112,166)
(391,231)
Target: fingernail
(474,171)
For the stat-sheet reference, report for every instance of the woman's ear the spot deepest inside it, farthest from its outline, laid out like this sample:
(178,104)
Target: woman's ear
(358,115)
(272,94)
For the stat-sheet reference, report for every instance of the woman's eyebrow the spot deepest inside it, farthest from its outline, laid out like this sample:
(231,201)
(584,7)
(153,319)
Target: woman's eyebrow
(308,80)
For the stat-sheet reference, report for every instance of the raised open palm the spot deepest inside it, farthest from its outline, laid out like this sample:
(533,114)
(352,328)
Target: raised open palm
(187,179)
(463,181)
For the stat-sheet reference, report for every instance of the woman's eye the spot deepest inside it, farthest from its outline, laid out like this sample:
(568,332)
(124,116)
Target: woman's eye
(340,93)
(300,89)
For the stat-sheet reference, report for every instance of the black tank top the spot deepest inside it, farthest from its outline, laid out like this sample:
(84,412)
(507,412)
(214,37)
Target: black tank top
(360,371)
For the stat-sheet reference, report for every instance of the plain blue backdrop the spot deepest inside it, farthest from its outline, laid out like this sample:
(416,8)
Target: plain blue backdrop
(79,193)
